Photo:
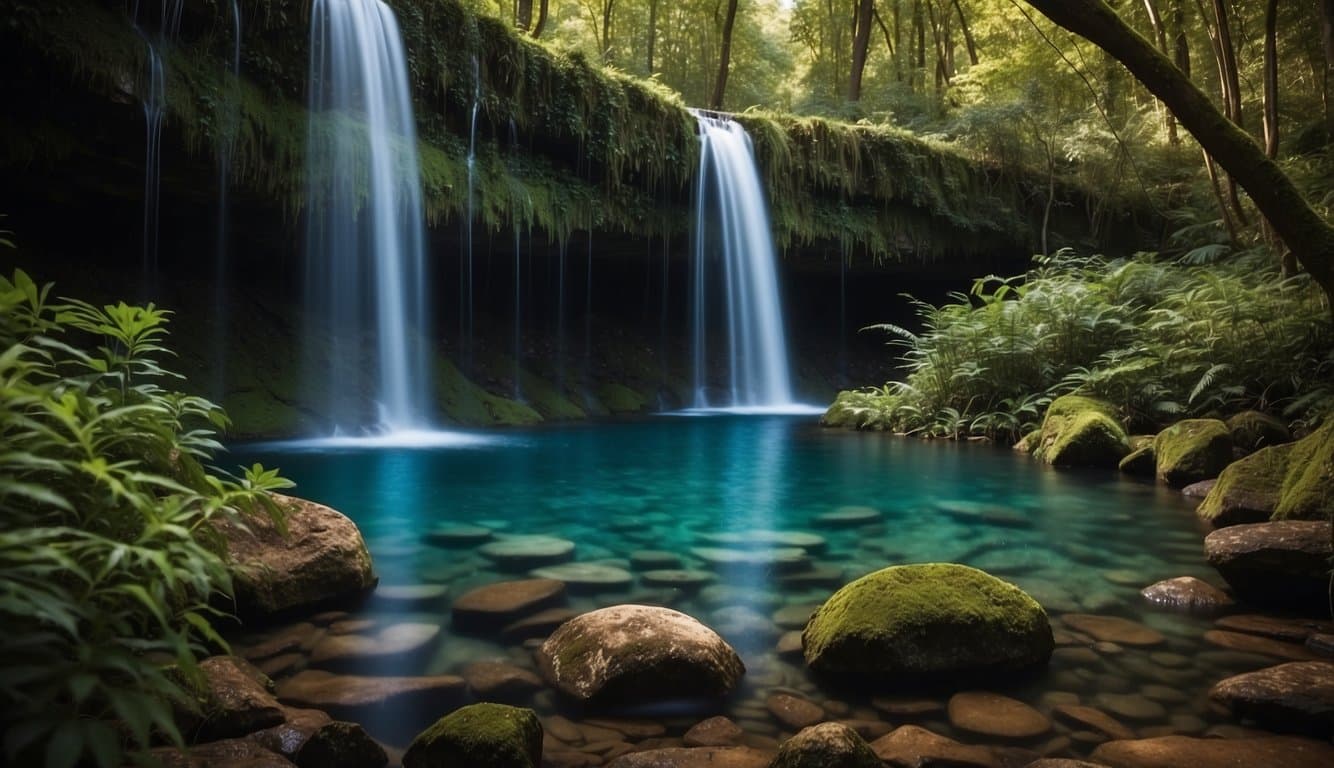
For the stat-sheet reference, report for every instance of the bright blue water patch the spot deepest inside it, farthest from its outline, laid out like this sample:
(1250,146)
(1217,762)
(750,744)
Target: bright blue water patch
(1078,541)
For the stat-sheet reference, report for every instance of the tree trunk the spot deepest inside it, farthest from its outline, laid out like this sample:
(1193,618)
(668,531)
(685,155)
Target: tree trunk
(607,6)
(541,18)
(1327,82)
(942,77)
(1160,35)
(652,33)
(720,85)
(523,14)
(861,44)
(1286,260)
(1273,192)
(919,25)
(1220,37)
(968,40)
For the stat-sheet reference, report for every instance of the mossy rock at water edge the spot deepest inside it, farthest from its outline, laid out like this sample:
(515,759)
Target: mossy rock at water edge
(929,623)
(1192,450)
(479,736)
(1294,481)
(1081,431)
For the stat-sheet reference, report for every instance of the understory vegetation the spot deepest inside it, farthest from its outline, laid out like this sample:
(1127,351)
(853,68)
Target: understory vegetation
(113,572)
(1160,339)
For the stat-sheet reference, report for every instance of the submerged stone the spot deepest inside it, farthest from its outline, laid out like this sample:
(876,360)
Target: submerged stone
(1286,751)
(929,623)
(497,604)
(524,552)
(849,517)
(990,714)
(1298,696)
(586,577)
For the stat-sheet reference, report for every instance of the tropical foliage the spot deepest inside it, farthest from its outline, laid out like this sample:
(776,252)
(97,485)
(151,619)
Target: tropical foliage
(111,566)
(1160,339)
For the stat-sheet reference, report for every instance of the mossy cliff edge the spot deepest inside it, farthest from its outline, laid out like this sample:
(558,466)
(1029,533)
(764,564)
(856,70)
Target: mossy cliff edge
(563,144)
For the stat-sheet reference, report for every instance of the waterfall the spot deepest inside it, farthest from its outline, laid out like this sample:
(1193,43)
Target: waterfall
(518,283)
(155,109)
(466,314)
(733,235)
(366,272)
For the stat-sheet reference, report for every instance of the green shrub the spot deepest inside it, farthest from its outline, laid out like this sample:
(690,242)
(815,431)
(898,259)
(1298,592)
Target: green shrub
(109,560)
(1160,340)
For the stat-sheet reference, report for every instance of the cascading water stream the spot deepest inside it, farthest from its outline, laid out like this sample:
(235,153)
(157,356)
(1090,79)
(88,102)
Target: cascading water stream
(366,272)
(466,314)
(155,109)
(732,229)
(518,285)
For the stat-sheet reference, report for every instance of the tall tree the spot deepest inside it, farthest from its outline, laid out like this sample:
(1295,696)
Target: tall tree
(861,43)
(541,18)
(1274,193)
(724,58)
(652,34)
(1160,36)
(968,39)
(523,14)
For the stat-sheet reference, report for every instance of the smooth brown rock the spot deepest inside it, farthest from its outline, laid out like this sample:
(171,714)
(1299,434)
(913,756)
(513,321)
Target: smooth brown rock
(714,732)
(1266,646)
(321,558)
(695,757)
(1087,717)
(235,701)
(496,605)
(344,693)
(521,553)
(500,681)
(540,624)
(1187,593)
(1296,697)
(1291,630)
(637,653)
(228,753)
(301,635)
(907,707)
(288,736)
(912,747)
(1131,706)
(793,711)
(394,640)
(1284,563)
(990,714)
(1191,752)
(1113,629)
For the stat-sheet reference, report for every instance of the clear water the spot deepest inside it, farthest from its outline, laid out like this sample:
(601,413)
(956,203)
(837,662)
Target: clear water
(733,235)
(366,270)
(1084,542)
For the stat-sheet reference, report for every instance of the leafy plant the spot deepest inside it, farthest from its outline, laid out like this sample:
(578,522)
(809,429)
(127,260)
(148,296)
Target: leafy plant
(110,560)
(1159,339)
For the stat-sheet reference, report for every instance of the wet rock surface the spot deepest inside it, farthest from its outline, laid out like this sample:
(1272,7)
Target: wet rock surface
(1297,697)
(1284,563)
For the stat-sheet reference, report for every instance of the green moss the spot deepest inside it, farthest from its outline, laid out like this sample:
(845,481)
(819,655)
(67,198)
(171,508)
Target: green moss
(621,399)
(1308,486)
(1029,442)
(1139,462)
(921,621)
(1248,490)
(868,409)
(1192,450)
(479,736)
(1081,432)
(1252,430)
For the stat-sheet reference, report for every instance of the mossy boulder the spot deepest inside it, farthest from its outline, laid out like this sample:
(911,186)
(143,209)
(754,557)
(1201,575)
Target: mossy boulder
(1248,490)
(1308,486)
(1253,430)
(1029,442)
(827,745)
(1081,432)
(857,409)
(1192,450)
(631,654)
(341,745)
(1139,462)
(927,623)
(479,736)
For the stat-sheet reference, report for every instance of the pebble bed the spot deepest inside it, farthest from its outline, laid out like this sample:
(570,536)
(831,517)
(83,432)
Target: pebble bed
(748,524)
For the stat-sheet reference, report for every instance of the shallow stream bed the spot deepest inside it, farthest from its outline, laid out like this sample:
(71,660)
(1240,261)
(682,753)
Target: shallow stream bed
(700,496)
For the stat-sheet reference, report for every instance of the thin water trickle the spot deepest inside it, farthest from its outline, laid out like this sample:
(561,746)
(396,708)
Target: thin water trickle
(732,228)
(154,98)
(366,271)
(466,313)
